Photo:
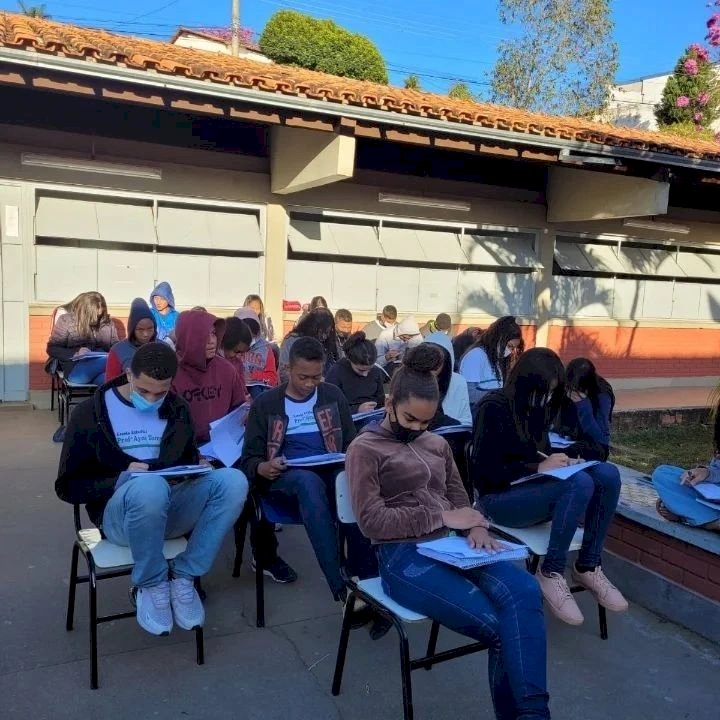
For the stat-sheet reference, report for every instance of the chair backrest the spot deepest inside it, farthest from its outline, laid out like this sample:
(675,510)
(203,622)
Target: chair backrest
(342,497)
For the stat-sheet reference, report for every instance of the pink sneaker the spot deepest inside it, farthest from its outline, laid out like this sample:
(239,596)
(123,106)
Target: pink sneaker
(601,588)
(556,592)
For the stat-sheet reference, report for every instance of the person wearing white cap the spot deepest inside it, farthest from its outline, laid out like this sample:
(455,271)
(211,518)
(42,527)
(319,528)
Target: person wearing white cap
(393,343)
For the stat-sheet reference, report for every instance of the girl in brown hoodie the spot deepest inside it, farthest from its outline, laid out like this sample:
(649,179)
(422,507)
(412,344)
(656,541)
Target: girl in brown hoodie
(405,488)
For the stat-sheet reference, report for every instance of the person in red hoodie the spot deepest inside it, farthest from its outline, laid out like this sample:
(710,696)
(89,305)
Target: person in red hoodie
(208,383)
(212,387)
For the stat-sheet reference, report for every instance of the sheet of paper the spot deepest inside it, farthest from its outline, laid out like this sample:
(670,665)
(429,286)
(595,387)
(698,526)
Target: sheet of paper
(207,450)
(315,460)
(369,414)
(709,491)
(227,436)
(558,441)
(707,503)
(564,473)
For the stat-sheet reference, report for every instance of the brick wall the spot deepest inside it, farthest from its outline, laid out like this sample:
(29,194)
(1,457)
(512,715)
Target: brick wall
(641,352)
(684,564)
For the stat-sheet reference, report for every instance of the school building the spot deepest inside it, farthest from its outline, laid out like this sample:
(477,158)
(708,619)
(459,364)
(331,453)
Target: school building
(125,161)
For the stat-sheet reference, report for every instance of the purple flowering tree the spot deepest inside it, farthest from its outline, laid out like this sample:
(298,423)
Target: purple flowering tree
(689,103)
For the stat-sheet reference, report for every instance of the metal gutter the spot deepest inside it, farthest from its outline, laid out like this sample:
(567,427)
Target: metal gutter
(152,79)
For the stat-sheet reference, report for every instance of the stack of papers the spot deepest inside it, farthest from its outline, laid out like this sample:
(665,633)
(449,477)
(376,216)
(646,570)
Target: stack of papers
(558,441)
(177,470)
(457,552)
(450,429)
(314,460)
(227,436)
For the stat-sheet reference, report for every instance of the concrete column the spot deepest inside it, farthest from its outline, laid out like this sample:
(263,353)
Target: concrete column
(14,340)
(275,264)
(543,287)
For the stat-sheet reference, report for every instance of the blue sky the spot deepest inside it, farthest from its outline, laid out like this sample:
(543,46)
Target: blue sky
(435,39)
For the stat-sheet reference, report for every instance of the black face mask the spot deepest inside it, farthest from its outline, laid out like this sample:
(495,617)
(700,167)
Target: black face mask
(403,434)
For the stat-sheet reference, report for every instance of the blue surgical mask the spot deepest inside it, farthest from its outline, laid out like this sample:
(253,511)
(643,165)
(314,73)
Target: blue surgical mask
(143,405)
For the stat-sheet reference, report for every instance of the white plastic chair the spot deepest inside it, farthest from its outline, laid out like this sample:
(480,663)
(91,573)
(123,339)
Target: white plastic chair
(112,561)
(371,591)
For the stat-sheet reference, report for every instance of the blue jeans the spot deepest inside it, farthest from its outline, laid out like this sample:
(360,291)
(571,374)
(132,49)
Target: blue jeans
(591,494)
(146,511)
(681,499)
(314,495)
(499,604)
(88,372)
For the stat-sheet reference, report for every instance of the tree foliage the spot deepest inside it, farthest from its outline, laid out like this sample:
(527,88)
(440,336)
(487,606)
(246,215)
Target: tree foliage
(460,91)
(292,38)
(690,102)
(563,60)
(412,82)
(36,11)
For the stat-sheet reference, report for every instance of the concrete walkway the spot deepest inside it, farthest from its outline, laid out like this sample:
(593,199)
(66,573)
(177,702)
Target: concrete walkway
(647,669)
(664,398)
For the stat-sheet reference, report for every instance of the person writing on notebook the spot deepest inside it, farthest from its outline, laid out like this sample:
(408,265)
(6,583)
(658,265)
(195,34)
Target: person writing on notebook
(136,424)
(405,488)
(305,417)
(509,466)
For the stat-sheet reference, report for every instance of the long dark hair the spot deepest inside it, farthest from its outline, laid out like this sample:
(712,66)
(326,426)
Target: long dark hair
(535,388)
(582,376)
(359,350)
(494,341)
(462,342)
(316,323)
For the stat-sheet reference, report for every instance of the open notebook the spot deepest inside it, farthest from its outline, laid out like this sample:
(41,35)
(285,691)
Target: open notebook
(455,551)
(562,473)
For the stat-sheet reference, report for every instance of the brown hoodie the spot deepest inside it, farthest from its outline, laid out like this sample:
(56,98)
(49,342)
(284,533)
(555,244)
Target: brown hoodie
(212,388)
(399,491)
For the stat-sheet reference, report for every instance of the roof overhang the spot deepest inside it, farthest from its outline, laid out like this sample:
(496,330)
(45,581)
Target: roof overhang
(276,108)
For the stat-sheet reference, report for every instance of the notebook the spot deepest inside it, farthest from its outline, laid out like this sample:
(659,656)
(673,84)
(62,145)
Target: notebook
(178,470)
(455,551)
(562,473)
(315,460)
(89,356)
(558,441)
(451,429)
(369,415)
(710,491)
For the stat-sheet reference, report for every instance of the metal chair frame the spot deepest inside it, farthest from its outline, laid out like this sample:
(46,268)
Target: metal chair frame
(92,578)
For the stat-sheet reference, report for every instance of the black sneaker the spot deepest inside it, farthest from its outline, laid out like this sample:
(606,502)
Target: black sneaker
(279,571)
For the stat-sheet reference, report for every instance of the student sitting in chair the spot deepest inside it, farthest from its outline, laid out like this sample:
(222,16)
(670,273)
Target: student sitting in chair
(319,324)
(586,410)
(136,424)
(212,388)
(394,342)
(441,324)
(405,488)
(678,501)
(304,417)
(485,366)
(236,341)
(387,319)
(141,329)
(357,376)
(162,303)
(259,360)
(454,399)
(510,455)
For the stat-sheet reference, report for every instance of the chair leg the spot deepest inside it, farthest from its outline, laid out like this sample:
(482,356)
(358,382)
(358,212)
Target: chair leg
(343,645)
(259,593)
(200,646)
(52,393)
(405,671)
(432,642)
(533,563)
(72,587)
(92,585)
(602,617)
(239,532)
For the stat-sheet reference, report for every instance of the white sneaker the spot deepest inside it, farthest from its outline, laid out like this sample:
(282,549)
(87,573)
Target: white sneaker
(153,609)
(187,606)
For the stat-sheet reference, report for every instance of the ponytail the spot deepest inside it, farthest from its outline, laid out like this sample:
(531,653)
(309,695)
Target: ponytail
(359,350)
(415,377)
